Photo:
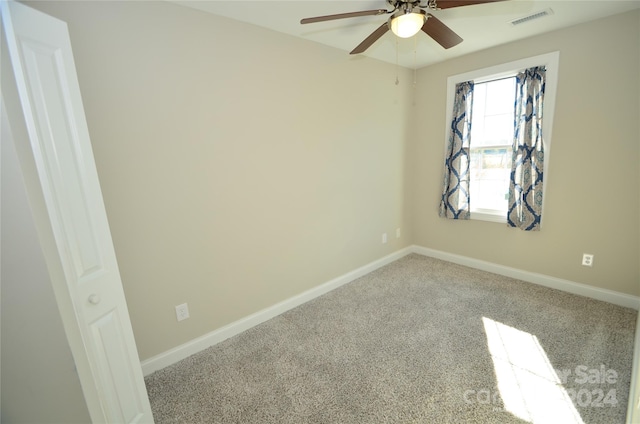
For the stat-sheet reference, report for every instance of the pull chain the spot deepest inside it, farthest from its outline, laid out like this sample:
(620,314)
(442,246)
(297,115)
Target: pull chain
(415,60)
(397,80)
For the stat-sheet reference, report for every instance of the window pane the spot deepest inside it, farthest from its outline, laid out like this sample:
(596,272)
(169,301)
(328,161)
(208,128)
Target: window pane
(479,98)
(487,194)
(500,96)
(498,129)
(491,128)
(492,119)
(489,185)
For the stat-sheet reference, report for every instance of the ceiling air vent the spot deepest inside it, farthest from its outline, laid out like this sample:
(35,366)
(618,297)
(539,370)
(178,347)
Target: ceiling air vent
(532,17)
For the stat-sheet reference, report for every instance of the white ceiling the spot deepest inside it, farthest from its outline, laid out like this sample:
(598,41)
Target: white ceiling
(481,26)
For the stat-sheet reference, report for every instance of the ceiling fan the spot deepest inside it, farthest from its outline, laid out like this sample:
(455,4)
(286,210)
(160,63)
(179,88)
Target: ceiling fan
(407,18)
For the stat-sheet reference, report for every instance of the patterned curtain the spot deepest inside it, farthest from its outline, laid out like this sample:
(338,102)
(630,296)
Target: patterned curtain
(525,186)
(455,188)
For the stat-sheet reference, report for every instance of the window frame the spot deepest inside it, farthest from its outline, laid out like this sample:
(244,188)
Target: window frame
(551,62)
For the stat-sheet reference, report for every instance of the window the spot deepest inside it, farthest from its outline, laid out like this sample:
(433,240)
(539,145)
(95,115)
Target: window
(492,127)
(491,145)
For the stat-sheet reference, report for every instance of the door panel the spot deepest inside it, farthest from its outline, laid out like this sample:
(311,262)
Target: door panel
(111,348)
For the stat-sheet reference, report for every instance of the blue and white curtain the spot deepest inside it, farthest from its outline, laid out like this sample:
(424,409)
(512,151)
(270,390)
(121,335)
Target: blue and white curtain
(455,191)
(525,186)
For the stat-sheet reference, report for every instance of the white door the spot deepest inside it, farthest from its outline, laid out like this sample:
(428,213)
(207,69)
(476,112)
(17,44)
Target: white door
(633,412)
(43,102)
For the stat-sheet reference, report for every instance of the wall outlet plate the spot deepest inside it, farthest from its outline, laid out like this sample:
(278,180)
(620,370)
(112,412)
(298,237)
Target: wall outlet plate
(182,312)
(587,259)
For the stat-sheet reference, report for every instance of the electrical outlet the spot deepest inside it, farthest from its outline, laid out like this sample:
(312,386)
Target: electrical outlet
(182,312)
(587,259)
(384,238)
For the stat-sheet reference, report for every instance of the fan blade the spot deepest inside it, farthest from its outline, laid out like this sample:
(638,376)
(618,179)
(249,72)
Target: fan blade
(448,4)
(371,39)
(441,33)
(343,15)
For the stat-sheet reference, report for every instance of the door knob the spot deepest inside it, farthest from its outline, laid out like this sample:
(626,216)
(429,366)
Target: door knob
(94,299)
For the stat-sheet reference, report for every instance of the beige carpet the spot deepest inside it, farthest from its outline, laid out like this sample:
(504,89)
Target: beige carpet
(417,341)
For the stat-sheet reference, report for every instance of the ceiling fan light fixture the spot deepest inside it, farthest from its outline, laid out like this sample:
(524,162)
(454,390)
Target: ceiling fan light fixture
(406,25)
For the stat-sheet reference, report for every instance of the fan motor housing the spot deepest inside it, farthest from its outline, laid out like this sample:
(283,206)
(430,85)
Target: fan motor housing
(410,5)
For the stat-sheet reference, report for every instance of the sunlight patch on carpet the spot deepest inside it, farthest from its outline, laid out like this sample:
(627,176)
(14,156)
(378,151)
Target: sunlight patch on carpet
(528,384)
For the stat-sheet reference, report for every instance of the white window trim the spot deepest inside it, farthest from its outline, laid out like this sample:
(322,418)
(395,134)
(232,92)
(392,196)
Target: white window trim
(551,62)
(489,215)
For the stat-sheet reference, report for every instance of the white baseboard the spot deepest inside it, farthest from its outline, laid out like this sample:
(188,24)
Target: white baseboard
(617,298)
(185,350)
(196,345)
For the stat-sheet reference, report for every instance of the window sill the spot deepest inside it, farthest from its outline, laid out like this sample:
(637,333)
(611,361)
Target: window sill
(491,216)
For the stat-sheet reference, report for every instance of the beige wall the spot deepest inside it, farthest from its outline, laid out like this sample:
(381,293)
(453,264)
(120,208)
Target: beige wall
(239,166)
(592,197)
